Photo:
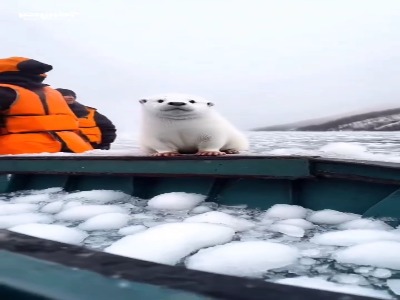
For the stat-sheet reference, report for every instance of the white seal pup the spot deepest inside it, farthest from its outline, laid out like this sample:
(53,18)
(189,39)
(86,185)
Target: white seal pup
(174,124)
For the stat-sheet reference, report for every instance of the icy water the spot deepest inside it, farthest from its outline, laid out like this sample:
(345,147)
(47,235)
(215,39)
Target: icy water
(379,146)
(286,244)
(319,249)
(372,142)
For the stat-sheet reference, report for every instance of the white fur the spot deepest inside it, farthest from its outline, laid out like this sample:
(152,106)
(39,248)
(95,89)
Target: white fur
(198,128)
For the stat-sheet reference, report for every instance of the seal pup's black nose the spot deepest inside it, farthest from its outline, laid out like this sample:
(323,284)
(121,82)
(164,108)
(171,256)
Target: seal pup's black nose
(177,103)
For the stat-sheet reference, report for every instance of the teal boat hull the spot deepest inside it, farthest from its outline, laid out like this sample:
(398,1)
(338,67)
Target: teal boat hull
(367,188)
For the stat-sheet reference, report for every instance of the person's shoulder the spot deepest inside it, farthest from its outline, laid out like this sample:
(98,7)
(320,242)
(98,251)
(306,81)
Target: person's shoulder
(89,107)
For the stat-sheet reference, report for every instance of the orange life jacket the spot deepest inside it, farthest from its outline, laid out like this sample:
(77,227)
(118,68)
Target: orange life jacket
(89,128)
(36,124)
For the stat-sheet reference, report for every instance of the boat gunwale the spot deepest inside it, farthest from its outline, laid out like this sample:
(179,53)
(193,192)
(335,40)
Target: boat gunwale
(313,167)
(317,159)
(214,285)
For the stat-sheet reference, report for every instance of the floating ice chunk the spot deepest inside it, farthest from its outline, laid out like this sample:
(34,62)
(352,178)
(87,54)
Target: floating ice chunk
(365,224)
(83,212)
(19,219)
(72,204)
(322,284)
(267,222)
(131,229)
(51,190)
(350,279)
(171,220)
(289,230)
(311,253)
(53,207)
(353,237)
(344,149)
(394,285)
(17,208)
(331,217)
(153,223)
(252,258)
(297,222)
(383,254)
(32,198)
(169,243)
(363,270)
(200,209)
(176,201)
(97,196)
(216,217)
(142,216)
(318,252)
(285,211)
(105,221)
(227,210)
(381,273)
(52,232)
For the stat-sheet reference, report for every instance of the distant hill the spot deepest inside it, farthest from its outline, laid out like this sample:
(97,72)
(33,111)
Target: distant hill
(379,120)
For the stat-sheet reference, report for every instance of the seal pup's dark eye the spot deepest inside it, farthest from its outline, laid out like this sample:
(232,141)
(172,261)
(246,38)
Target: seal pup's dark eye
(210,104)
(160,101)
(142,101)
(192,101)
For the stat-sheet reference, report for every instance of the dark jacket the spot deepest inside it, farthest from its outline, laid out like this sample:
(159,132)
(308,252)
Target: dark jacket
(107,128)
(7,97)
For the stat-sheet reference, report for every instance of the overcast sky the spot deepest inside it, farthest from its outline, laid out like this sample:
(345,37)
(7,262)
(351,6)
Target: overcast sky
(262,62)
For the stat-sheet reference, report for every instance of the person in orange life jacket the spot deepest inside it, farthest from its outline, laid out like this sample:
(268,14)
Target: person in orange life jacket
(34,118)
(99,130)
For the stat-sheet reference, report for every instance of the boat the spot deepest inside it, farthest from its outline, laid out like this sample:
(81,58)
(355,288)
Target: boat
(34,268)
